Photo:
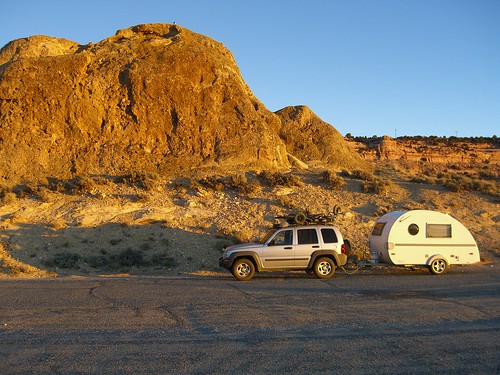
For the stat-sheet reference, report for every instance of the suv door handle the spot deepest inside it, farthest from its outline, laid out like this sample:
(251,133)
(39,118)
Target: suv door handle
(288,248)
(316,247)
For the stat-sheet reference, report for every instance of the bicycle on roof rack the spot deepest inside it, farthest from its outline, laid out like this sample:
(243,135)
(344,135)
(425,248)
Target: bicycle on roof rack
(306,218)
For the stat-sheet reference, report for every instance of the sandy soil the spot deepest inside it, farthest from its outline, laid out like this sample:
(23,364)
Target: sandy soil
(175,227)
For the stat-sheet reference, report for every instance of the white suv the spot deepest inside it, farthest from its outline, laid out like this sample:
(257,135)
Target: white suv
(317,249)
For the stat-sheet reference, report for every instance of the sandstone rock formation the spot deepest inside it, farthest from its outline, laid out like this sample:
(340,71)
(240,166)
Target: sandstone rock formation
(152,98)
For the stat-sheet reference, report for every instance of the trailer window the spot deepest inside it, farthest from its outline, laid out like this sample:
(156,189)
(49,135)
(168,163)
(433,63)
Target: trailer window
(378,228)
(329,235)
(413,229)
(439,230)
(307,236)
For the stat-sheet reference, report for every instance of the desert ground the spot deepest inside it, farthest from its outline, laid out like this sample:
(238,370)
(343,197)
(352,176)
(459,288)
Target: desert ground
(145,224)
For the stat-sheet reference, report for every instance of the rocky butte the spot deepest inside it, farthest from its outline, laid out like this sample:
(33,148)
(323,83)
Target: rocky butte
(152,98)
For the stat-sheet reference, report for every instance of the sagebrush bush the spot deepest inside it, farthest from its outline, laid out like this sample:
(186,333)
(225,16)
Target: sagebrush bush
(288,202)
(277,178)
(239,180)
(213,182)
(81,185)
(459,183)
(377,186)
(143,180)
(359,175)
(98,261)
(251,188)
(8,198)
(163,260)
(333,180)
(62,260)
(424,180)
(130,257)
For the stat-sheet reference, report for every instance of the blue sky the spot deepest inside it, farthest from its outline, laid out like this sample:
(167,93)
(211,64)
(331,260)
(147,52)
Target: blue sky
(368,67)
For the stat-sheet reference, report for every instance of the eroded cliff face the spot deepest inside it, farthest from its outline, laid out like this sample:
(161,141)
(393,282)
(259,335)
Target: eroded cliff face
(152,97)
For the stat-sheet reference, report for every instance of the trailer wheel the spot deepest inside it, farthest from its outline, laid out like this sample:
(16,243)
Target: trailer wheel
(243,269)
(324,268)
(438,266)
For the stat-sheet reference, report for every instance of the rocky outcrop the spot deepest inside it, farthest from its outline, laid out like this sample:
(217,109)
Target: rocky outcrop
(152,97)
(310,139)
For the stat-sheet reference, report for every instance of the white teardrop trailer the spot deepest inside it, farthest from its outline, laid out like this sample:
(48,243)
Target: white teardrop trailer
(420,238)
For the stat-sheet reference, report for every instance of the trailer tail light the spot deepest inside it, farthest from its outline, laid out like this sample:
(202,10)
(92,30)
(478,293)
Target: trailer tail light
(342,249)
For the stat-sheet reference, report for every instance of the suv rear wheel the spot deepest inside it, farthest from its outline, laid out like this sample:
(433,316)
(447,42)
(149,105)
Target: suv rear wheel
(324,268)
(243,269)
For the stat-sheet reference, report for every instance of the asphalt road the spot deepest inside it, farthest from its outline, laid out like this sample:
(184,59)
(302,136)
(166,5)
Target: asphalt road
(371,322)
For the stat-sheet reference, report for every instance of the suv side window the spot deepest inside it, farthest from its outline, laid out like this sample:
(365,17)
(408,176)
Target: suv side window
(282,238)
(307,236)
(329,235)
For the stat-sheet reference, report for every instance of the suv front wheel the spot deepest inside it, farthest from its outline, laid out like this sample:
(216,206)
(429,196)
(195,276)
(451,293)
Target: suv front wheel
(243,269)
(324,268)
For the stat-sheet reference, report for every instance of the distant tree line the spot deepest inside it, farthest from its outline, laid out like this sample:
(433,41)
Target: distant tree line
(432,139)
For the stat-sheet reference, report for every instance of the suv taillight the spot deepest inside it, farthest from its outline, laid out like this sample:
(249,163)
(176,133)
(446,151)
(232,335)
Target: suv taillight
(342,249)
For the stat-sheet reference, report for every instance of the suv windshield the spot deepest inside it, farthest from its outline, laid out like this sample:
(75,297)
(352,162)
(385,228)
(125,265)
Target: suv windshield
(267,236)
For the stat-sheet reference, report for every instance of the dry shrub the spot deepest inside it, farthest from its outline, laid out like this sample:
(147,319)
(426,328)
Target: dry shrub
(377,186)
(213,182)
(130,257)
(163,260)
(62,260)
(8,198)
(424,180)
(143,180)
(459,183)
(251,189)
(243,235)
(288,202)
(239,180)
(333,180)
(359,175)
(277,178)
(81,185)
(57,223)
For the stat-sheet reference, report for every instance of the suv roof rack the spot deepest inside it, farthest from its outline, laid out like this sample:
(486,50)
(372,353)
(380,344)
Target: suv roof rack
(306,218)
